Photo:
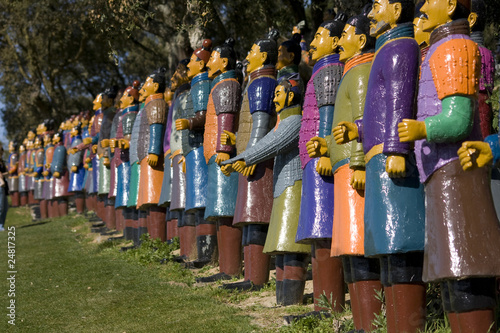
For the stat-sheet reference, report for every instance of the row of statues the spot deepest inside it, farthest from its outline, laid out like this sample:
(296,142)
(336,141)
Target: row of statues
(376,170)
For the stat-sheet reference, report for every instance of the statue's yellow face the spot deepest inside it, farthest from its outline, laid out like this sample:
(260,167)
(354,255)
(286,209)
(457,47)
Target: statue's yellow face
(285,58)
(37,143)
(255,58)
(22,149)
(168,95)
(46,139)
(11,146)
(126,100)
(41,129)
(322,44)
(56,139)
(195,67)
(350,44)
(97,102)
(422,37)
(438,13)
(216,65)
(179,78)
(31,135)
(383,16)
(280,98)
(148,88)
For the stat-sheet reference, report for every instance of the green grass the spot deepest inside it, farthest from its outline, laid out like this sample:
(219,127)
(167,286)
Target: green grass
(65,283)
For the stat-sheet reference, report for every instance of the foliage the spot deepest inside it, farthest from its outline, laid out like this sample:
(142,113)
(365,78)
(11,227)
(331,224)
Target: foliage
(153,250)
(57,55)
(311,324)
(342,322)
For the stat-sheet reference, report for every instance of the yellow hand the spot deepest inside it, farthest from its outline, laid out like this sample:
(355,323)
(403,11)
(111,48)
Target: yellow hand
(152,160)
(396,166)
(344,132)
(106,162)
(358,179)
(74,168)
(411,130)
(324,166)
(227,169)
(94,149)
(228,138)
(221,157)
(87,141)
(112,144)
(123,144)
(475,154)
(239,166)
(45,173)
(316,147)
(57,174)
(249,170)
(104,143)
(181,124)
(85,166)
(183,161)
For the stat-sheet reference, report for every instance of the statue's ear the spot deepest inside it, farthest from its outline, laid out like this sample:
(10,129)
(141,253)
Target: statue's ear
(451,7)
(362,41)
(291,95)
(225,62)
(472,19)
(397,10)
(335,43)
(263,57)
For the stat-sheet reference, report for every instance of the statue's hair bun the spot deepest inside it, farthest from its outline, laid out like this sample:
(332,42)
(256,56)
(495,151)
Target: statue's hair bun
(274,34)
(230,42)
(341,16)
(207,44)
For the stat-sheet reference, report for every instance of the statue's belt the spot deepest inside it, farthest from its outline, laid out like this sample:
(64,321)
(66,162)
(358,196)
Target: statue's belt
(375,150)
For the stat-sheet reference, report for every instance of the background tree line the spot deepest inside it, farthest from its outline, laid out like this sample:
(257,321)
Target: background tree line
(57,55)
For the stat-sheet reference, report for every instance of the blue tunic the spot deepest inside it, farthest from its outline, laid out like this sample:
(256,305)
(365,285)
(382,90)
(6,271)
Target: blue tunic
(196,166)
(223,203)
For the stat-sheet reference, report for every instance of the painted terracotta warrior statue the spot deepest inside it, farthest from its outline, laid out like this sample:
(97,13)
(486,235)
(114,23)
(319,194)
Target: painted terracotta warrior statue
(459,250)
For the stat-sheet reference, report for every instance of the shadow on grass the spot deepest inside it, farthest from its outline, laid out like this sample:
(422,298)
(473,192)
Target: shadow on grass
(33,224)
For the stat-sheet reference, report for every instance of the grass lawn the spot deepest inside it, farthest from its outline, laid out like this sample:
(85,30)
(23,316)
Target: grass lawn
(64,283)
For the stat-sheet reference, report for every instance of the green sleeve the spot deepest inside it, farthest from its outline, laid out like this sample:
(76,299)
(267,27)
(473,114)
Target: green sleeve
(329,141)
(455,121)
